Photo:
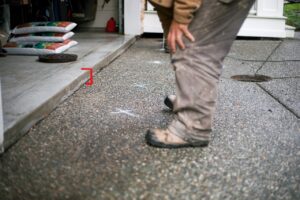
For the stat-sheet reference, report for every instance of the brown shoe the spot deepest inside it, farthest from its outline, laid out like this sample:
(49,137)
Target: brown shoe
(165,139)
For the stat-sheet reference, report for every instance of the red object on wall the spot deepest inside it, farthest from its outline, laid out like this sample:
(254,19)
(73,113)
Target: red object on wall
(111,25)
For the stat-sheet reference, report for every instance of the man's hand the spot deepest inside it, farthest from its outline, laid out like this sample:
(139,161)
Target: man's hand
(175,35)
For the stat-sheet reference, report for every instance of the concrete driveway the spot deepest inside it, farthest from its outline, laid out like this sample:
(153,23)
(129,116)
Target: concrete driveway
(92,146)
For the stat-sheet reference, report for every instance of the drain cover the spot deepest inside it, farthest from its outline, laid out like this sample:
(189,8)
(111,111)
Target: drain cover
(58,58)
(251,78)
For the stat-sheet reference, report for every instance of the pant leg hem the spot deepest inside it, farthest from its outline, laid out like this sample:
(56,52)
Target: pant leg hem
(177,128)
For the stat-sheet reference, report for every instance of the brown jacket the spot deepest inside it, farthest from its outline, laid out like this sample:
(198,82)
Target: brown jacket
(183,10)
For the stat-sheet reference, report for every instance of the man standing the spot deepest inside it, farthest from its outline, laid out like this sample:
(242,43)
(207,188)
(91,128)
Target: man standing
(204,31)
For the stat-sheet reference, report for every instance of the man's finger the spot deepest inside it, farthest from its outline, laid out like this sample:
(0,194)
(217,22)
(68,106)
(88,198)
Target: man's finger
(189,35)
(172,43)
(180,42)
(169,41)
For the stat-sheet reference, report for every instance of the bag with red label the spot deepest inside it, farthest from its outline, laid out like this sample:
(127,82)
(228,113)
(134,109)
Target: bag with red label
(38,48)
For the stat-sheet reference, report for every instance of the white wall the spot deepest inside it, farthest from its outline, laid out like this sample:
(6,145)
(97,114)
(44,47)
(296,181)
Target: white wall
(103,15)
(133,17)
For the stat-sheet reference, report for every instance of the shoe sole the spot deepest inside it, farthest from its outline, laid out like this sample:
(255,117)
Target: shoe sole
(158,144)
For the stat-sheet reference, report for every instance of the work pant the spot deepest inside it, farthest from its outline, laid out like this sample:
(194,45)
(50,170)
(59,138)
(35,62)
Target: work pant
(198,67)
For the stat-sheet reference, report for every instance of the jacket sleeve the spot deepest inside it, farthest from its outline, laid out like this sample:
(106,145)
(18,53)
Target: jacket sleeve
(184,10)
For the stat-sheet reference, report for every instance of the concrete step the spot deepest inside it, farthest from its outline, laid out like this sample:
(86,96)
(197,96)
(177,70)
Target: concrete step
(290,31)
(31,90)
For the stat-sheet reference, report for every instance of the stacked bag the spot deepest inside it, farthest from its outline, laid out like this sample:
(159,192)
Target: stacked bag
(41,38)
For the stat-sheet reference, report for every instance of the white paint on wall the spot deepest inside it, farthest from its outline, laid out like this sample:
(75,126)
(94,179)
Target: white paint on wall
(152,23)
(132,17)
(270,8)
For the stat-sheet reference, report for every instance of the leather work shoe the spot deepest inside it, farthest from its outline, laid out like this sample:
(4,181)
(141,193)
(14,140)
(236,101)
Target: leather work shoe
(169,101)
(165,139)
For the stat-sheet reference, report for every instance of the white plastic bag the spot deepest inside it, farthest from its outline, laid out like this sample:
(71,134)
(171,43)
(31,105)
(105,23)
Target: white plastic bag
(35,27)
(38,48)
(42,37)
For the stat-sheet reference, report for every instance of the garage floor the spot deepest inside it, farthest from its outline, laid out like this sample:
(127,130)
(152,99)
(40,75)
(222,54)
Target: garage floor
(31,90)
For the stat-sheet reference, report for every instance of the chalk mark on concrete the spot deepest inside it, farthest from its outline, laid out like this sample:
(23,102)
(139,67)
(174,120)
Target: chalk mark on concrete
(157,62)
(126,112)
(140,85)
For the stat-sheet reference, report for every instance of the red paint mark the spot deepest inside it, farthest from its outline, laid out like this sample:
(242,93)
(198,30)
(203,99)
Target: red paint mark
(91,81)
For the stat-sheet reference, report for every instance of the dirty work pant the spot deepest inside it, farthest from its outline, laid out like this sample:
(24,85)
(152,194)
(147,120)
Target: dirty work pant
(199,66)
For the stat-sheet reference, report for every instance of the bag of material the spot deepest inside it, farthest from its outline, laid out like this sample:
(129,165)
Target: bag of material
(41,37)
(38,48)
(36,27)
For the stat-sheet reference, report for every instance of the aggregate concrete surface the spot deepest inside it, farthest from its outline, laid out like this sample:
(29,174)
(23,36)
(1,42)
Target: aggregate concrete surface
(33,89)
(92,146)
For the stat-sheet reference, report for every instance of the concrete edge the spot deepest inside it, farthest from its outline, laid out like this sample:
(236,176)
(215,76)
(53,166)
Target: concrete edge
(21,127)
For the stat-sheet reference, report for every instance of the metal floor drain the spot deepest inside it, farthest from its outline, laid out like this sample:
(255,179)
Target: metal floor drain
(251,78)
